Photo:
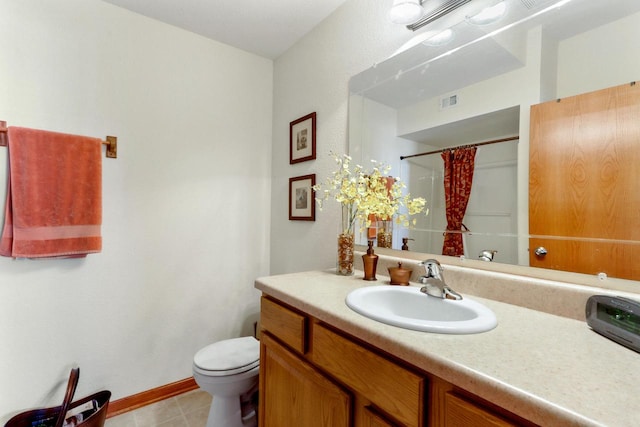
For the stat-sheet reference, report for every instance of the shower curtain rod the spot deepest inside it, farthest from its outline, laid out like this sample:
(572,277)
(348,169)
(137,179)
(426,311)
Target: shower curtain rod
(478,144)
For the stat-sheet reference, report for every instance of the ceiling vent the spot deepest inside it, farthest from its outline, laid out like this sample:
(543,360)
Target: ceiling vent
(440,11)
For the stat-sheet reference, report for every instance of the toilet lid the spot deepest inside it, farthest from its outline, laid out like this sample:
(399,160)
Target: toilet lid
(234,355)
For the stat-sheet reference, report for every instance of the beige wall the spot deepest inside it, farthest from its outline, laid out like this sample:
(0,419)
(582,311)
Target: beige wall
(604,57)
(313,76)
(186,204)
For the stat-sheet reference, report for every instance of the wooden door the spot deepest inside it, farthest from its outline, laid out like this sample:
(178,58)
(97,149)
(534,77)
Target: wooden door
(584,183)
(293,393)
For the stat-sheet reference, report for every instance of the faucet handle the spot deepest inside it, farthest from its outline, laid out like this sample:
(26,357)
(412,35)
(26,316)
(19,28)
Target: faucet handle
(487,254)
(428,263)
(433,268)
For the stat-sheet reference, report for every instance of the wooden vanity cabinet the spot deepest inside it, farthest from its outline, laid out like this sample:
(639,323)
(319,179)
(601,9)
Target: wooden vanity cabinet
(311,375)
(314,375)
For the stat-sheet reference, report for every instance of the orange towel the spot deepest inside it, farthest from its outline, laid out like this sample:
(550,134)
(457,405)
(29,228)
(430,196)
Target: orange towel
(54,196)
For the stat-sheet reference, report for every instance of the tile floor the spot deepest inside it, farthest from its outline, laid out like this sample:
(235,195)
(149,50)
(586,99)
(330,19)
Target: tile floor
(186,410)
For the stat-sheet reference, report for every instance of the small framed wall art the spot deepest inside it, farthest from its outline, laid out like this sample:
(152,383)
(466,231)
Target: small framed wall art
(302,139)
(302,206)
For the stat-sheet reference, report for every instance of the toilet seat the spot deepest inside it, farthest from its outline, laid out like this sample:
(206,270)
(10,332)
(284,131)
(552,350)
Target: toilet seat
(228,357)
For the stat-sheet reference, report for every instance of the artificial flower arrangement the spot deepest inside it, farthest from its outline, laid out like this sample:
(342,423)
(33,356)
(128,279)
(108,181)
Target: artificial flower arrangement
(363,195)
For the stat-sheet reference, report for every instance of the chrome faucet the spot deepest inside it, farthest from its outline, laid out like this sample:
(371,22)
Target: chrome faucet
(433,280)
(487,254)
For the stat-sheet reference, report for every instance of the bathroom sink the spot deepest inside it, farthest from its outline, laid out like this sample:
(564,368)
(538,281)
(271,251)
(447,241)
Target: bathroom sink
(407,307)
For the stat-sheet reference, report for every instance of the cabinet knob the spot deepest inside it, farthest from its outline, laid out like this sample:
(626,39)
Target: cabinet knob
(541,251)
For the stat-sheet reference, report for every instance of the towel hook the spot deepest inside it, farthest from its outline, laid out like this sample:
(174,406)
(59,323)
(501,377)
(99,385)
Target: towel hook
(112,147)
(3,133)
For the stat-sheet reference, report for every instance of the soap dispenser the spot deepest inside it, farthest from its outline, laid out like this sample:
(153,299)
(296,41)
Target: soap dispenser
(370,261)
(405,243)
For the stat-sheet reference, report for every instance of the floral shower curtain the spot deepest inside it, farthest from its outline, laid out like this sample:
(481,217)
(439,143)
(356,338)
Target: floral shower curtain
(458,177)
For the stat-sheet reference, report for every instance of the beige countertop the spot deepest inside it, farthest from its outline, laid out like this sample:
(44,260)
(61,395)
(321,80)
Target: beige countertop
(549,369)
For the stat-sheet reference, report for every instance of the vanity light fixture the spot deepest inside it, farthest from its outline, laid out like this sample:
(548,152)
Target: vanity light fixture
(406,11)
(440,9)
(488,15)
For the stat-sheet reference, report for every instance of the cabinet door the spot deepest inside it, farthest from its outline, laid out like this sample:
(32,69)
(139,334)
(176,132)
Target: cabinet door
(449,408)
(293,393)
(370,418)
(462,413)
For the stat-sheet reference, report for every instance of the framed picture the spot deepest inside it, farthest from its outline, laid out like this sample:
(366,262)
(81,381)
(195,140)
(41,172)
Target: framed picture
(302,139)
(302,203)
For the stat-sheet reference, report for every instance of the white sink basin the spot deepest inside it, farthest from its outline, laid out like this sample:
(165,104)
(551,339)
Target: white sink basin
(407,307)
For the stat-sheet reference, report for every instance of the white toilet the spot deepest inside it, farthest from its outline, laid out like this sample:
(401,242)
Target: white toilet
(228,370)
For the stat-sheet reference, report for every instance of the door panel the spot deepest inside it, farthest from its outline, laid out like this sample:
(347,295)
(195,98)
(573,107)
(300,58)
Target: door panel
(583,172)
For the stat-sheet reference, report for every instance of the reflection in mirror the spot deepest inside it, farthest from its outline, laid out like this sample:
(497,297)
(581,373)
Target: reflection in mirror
(491,207)
(480,87)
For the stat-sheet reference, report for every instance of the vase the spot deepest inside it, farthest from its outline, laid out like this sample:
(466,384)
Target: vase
(346,242)
(385,233)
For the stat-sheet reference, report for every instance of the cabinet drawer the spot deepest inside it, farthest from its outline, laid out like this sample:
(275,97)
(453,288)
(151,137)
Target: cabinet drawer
(286,324)
(392,388)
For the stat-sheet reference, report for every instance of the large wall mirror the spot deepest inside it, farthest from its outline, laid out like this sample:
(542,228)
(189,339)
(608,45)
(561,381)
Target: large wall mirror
(459,82)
